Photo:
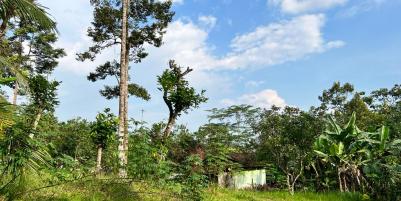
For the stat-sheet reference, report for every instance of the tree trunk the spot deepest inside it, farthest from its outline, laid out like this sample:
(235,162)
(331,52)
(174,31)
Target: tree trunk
(292,180)
(340,181)
(99,159)
(126,104)
(169,126)
(36,122)
(37,119)
(15,93)
(123,99)
(289,184)
(3,27)
(345,184)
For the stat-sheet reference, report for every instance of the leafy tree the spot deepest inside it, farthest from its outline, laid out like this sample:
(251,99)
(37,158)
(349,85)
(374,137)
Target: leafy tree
(102,131)
(32,14)
(145,157)
(43,97)
(182,143)
(286,139)
(334,98)
(147,23)
(177,94)
(217,142)
(242,121)
(387,103)
(32,52)
(341,100)
(192,178)
(70,145)
(367,119)
(109,92)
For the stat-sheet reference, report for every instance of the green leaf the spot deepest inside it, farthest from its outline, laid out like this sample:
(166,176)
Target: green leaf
(340,150)
(4,81)
(396,142)
(29,11)
(334,125)
(333,149)
(384,135)
(321,154)
(367,152)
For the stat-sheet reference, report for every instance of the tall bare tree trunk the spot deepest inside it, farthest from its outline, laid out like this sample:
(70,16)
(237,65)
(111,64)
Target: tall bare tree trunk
(126,103)
(123,99)
(15,93)
(99,159)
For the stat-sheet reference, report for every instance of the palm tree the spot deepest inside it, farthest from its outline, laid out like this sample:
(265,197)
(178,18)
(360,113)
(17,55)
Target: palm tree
(28,10)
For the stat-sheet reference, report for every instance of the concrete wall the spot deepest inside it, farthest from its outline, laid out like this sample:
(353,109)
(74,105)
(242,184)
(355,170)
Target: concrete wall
(243,179)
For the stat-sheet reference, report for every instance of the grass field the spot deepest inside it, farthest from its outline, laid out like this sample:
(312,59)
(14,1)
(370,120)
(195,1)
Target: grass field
(218,194)
(116,191)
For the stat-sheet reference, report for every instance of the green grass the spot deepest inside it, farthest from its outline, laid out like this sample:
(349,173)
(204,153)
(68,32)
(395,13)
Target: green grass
(219,194)
(99,190)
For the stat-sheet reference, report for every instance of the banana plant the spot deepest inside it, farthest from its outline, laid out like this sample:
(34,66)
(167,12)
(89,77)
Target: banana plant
(360,158)
(342,148)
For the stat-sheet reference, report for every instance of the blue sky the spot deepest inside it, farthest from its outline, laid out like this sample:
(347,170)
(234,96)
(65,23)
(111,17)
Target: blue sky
(258,52)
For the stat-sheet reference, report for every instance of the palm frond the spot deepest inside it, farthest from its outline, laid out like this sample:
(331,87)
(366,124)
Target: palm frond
(20,77)
(28,10)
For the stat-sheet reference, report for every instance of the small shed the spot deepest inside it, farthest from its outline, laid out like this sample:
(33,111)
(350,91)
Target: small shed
(243,179)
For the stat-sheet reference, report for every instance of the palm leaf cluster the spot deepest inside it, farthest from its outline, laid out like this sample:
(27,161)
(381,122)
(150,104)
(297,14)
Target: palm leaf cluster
(28,10)
(19,75)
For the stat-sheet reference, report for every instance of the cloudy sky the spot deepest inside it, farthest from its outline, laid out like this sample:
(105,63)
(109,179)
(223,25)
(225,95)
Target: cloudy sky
(258,52)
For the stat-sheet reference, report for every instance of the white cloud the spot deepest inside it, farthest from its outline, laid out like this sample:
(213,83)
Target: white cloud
(303,6)
(277,43)
(69,62)
(207,21)
(335,44)
(254,83)
(361,6)
(186,42)
(267,45)
(263,99)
